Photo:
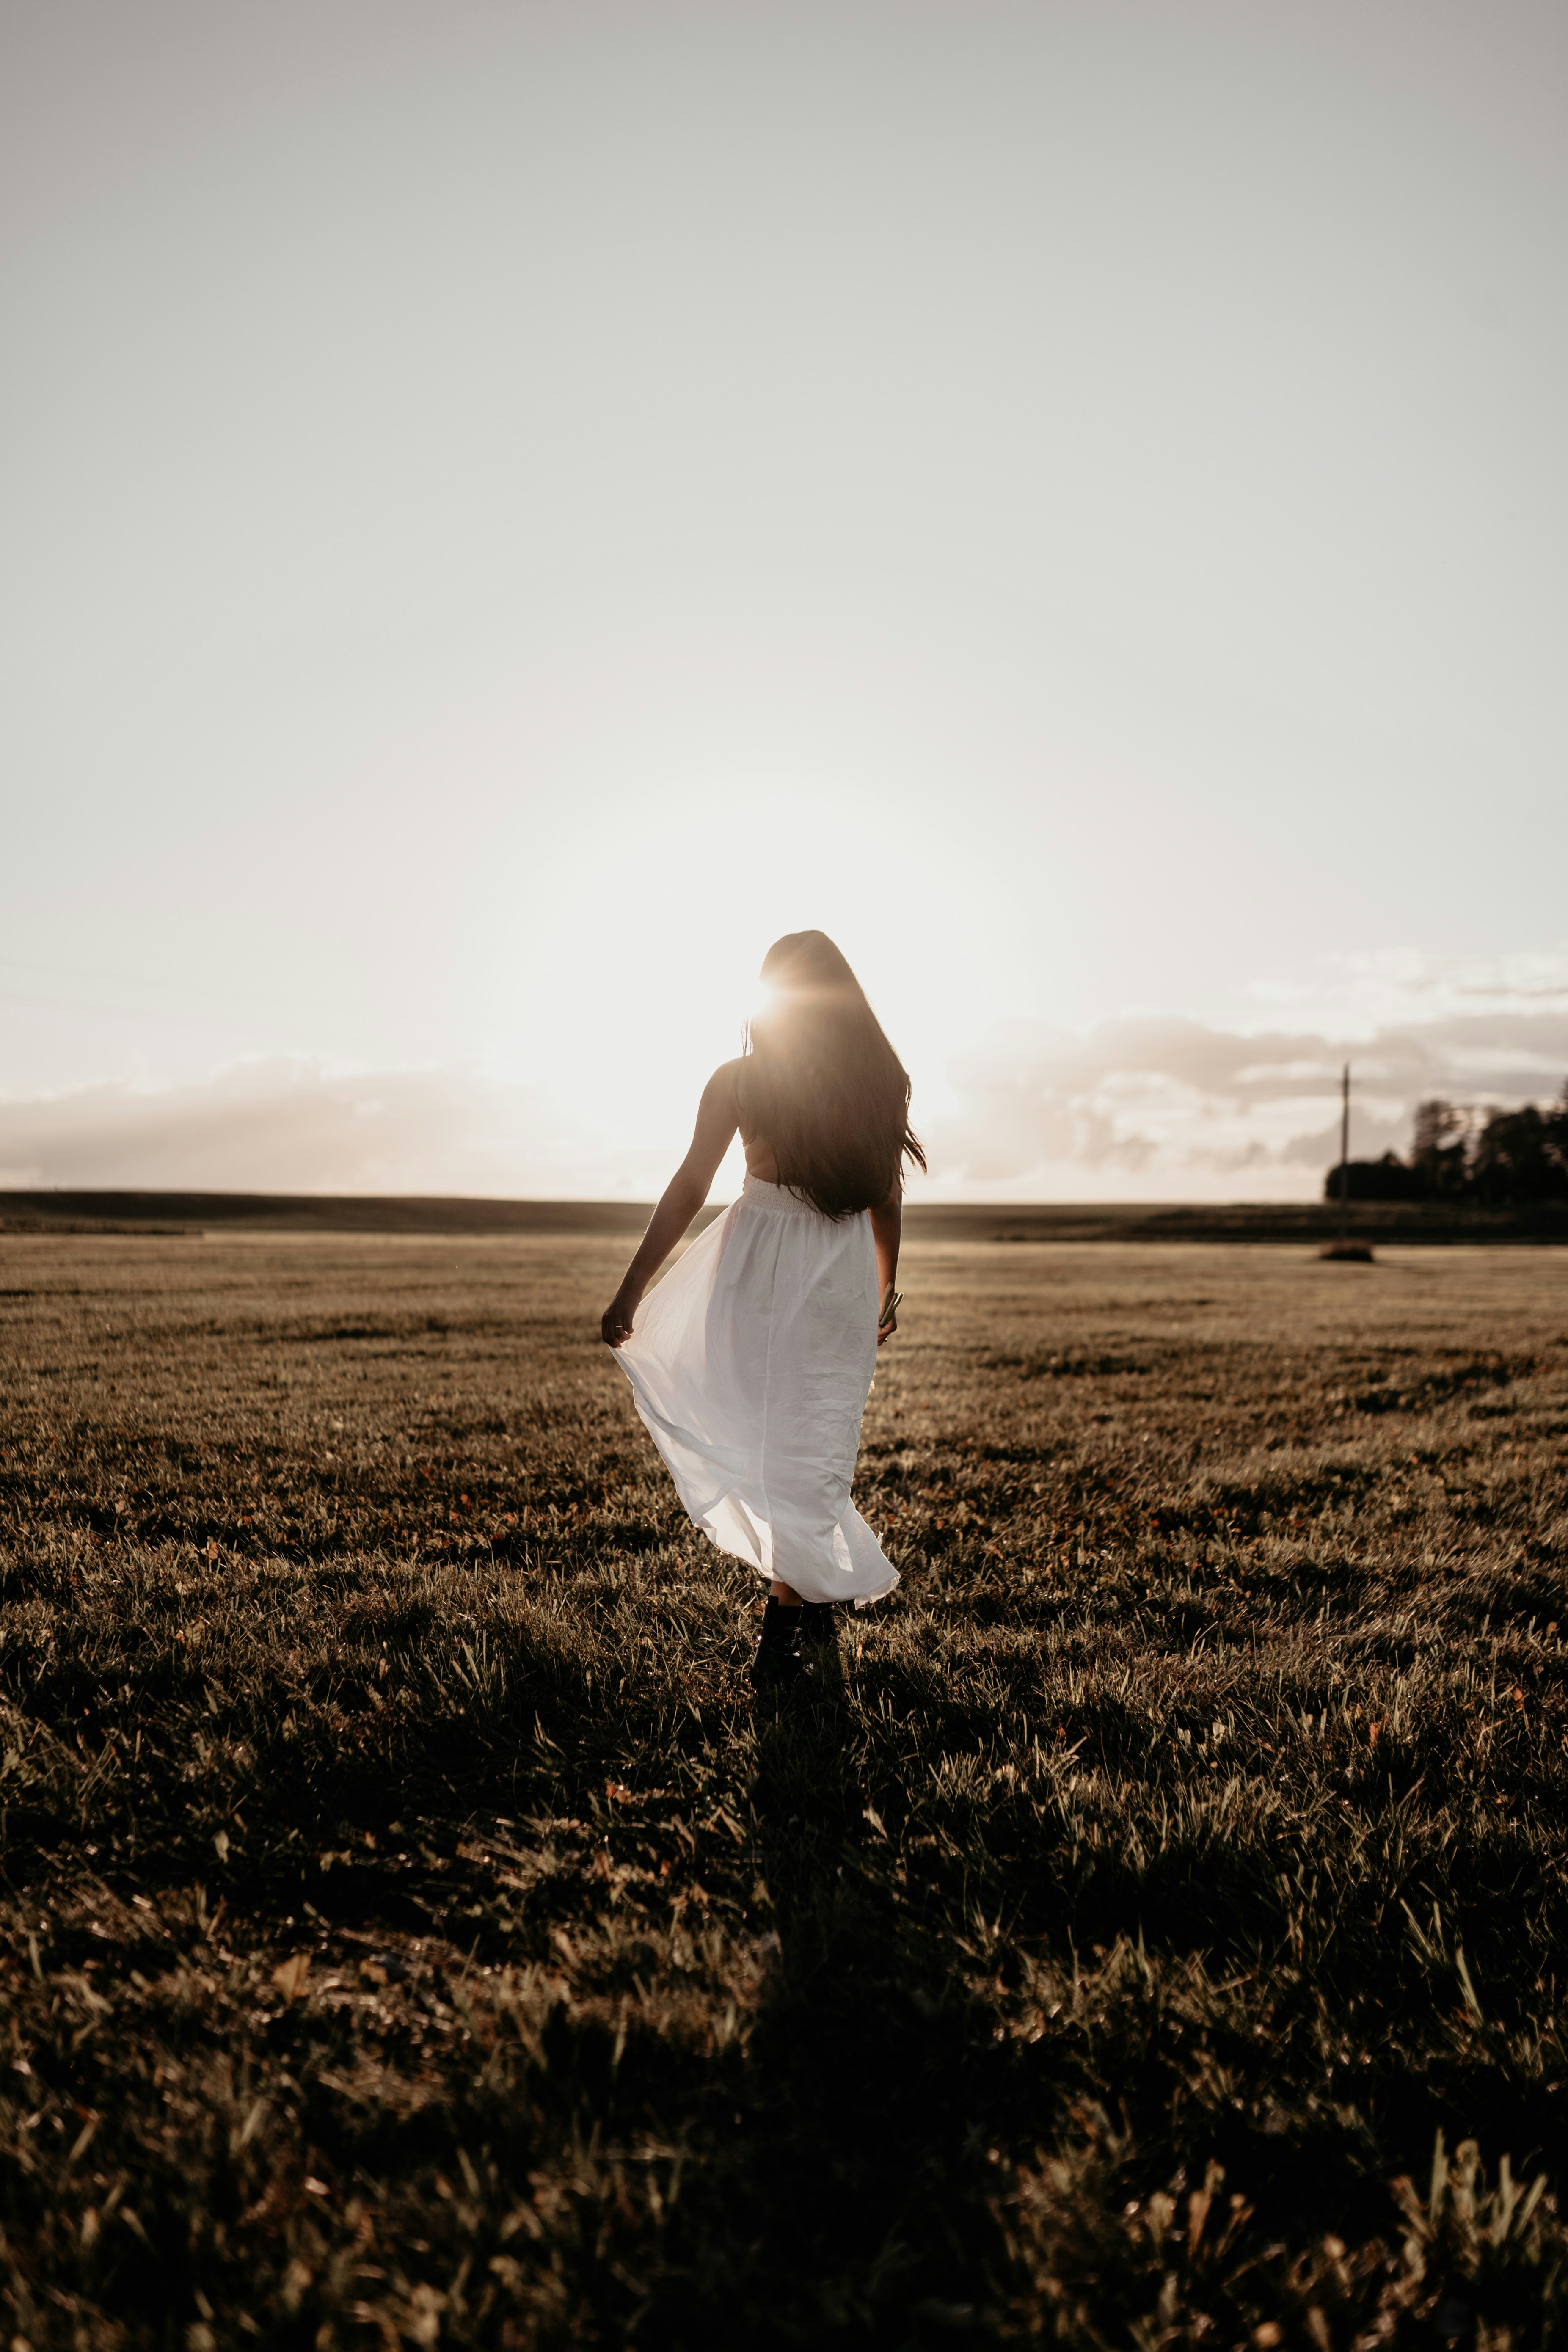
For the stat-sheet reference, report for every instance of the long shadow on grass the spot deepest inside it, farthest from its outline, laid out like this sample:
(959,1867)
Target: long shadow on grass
(865,2066)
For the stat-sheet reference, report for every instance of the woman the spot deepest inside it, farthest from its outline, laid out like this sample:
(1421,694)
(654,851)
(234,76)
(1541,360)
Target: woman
(752,1361)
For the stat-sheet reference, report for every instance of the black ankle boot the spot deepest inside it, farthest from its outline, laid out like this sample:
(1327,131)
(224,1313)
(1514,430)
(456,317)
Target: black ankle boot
(817,1624)
(777,1658)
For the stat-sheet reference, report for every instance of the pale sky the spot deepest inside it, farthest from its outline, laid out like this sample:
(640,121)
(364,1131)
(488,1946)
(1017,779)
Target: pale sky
(507,508)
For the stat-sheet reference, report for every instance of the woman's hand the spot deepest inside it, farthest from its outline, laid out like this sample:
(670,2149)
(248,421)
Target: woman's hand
(682,1197)
(886,1226)
(616,1326)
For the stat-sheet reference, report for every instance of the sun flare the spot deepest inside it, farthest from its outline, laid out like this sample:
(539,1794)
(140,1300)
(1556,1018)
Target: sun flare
(643,940)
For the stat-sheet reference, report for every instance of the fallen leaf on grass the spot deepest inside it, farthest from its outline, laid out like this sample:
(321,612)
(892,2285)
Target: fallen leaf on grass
(291,1976)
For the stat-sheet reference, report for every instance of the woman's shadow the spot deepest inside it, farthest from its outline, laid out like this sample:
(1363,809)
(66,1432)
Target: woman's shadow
(862,2051)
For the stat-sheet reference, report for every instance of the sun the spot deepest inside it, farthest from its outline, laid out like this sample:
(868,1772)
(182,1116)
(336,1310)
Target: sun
(634,965)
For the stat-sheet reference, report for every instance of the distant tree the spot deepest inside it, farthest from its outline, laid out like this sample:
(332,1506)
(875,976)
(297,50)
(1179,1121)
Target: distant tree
(1514,1159)
(1387,1178)
(1557,1130)
(1438,1149)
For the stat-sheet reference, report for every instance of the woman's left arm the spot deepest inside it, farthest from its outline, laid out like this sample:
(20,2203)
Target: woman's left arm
(683,1196)
(886,1228)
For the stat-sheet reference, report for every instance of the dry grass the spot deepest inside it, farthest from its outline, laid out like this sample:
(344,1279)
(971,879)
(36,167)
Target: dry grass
(413,1933)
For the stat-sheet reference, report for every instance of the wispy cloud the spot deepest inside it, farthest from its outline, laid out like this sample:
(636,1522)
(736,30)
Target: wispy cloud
(1140,1109)
(1159,1109)
(1387,988)
(288,1126)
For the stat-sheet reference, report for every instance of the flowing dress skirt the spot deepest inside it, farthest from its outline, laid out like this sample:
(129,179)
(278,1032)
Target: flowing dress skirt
(750,1364)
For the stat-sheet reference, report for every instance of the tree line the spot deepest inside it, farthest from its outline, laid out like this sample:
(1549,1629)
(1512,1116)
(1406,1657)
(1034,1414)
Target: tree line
(1496,1160)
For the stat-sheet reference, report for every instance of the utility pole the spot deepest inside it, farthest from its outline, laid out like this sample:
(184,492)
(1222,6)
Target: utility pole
(1345,1154)
(1355,1253)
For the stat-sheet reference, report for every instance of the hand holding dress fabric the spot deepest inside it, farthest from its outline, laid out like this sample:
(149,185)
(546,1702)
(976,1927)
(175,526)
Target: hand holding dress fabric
(615,1324)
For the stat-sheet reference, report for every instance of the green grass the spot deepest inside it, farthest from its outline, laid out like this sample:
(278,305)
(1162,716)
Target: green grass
(412,1932)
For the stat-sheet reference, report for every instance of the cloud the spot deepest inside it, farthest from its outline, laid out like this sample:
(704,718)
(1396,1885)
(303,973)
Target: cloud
(1387,987)
(1163,1109)
(287,1125)
(1138,1109)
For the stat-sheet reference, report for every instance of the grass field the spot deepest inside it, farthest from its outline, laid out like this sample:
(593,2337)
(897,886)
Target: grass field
(412,1932)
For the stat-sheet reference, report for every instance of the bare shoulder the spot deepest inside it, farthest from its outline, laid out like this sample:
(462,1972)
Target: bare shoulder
(720,1100)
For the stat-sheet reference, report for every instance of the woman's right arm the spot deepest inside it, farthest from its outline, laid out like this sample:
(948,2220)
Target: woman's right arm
(683,1196)
(887,1230)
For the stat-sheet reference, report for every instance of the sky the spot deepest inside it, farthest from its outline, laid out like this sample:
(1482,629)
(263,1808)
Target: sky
(506,509)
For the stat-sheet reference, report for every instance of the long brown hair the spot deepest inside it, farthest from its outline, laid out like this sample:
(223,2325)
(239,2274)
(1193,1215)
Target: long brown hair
(821,1084)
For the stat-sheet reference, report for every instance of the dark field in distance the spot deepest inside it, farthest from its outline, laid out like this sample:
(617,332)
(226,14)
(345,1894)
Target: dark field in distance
(412,1931)
(299,1212)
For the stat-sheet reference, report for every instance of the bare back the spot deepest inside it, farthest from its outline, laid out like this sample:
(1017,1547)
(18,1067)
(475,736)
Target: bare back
(762,1160)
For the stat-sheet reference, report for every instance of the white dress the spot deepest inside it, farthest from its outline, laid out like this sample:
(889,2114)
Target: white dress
(750,1363)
